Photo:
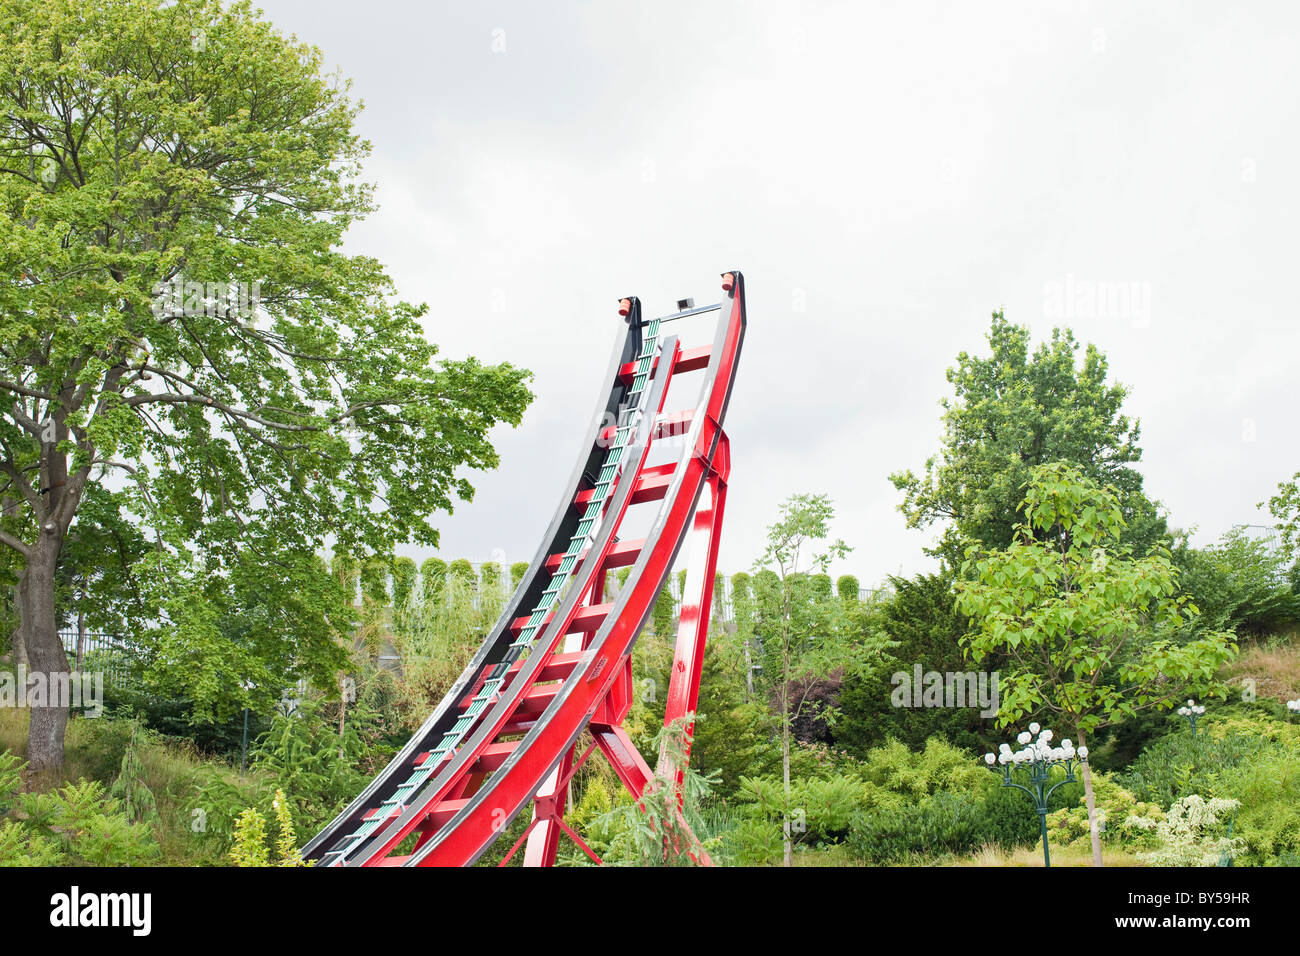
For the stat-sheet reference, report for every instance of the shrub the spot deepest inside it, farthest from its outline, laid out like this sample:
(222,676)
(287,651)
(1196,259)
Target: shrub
(1179,764)
(920,616)
(1238,583)
(433,572)
(1192,833)
(943,823)
(1117,808)
(403,581)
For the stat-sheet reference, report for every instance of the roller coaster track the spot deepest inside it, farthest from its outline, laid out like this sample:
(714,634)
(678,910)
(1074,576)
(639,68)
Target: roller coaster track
(559,659)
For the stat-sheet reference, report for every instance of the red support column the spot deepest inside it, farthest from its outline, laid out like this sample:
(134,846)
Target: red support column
(697,605)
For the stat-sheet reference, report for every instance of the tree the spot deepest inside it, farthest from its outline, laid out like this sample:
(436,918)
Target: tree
(795,625)
(920,618)
(1013,411)
(1090,630)
(175,181)
(1285,507)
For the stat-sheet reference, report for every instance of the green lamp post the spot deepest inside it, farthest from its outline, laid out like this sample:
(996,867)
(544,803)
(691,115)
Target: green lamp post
(1033,764)
(1190,712)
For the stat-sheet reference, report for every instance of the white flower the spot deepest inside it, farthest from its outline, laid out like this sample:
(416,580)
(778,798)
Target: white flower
(1024,738)
(1033,728)
(990,759)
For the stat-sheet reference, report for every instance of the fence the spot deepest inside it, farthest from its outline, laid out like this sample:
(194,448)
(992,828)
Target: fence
(107,654)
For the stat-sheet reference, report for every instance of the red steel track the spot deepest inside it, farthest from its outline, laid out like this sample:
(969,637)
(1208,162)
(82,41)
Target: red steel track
(558,661)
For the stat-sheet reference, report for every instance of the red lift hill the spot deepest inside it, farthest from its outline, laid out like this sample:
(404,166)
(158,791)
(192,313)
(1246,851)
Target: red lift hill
(559,660)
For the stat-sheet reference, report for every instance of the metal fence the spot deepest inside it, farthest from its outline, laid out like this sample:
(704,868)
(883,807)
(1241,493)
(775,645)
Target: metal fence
(97,652)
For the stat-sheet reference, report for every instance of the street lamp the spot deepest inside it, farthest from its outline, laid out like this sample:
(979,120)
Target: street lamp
(1034,762)
(1190,712)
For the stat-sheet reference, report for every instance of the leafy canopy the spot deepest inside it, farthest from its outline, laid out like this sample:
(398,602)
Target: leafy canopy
(1091,631)
(185,335)
(1012,411)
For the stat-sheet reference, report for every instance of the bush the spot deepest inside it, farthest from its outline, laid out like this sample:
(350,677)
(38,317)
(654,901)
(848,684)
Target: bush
(901,775)
(1117,809)
(920,616)
(1179,765)
(943,823)
(1239,584)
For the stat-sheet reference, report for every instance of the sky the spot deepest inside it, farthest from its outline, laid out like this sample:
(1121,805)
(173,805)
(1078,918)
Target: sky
(886,175)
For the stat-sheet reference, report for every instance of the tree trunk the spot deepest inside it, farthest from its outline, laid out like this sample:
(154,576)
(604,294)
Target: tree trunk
(785,759)
(1093,831)
(45,656)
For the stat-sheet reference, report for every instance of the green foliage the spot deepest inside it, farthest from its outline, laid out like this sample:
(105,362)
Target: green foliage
(1192,834)
(463,571)
(943,823)
(374,580)
(1012,412)
(1180,765)
(847,587)
(88,827)
(403,581)
(433,572)
(490,580)
(662,614)
(919,617)
(666,827)
(1285,507)
(243,437)
(1121,816)
(897,774)
(306,756)
(250,840)
(250,847)
(436,636)
(1238,584)
(517,572)
(137,799)
(732,732)
(1090,629)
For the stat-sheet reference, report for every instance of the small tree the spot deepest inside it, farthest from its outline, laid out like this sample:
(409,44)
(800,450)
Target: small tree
(1089,629)
(793,620)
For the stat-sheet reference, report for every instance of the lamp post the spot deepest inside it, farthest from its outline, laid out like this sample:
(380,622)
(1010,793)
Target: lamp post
(1034,763)
(243,746)
(1190,712)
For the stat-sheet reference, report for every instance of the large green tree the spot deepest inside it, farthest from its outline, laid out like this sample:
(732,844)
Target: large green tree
(1015,409)
(180,318)
(1091,632)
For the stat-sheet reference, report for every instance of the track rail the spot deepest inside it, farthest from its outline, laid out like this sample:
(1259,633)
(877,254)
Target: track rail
(558,661)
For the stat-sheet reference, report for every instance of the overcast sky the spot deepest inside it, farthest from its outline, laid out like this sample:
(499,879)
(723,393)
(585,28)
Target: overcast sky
(886,175)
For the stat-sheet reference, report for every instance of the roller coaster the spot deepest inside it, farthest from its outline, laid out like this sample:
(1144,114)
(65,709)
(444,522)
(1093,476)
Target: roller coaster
(558,661)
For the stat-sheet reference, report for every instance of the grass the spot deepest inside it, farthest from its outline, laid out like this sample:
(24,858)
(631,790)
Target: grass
(1033,856)
(1274,666)
(182,781)
(838,856)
